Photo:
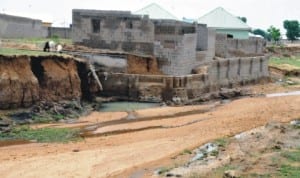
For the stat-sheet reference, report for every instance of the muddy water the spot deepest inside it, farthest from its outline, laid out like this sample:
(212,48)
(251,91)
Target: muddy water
(126,106)
(88,131)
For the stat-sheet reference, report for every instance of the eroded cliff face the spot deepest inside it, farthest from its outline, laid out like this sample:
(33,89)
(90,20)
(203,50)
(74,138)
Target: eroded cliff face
(26,80)
(18,85)
(58,78)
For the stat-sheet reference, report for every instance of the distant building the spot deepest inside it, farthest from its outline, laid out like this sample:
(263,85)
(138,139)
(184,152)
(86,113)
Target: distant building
(154,11)
(225,23)
(21,27)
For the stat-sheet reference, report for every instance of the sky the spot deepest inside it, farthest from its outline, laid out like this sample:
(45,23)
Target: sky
(259,13)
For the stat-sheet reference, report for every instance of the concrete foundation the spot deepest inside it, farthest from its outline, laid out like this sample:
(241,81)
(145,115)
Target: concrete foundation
(221,73)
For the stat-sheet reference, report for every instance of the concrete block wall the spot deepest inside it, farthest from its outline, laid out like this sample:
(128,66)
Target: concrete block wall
(236,70)
(119,30)
(179,60)
(222,73)
(228,47)
(205,57)
(60,32)
(20,27)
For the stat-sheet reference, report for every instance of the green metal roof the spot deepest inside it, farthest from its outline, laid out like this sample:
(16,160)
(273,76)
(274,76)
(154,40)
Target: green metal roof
(221,19)
(156,12)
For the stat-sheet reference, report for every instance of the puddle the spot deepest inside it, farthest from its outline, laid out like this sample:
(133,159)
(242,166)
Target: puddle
(126,106)
(283,94)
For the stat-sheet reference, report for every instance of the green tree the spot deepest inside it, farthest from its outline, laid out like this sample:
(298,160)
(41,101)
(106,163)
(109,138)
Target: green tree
(262,33)
(244,19)
(274,33)
(292,29)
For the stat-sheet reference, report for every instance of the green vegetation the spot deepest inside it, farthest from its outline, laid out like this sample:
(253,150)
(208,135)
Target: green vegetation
(293,156)
(289,171)
(214,153)
(10,52)
(39,41)
(294,61)
(274,33)
(164,170)
(222,142)
(186,151)
(35,43)
(41,119)
(262,33)
(292,29)
(290,167)
(42,135)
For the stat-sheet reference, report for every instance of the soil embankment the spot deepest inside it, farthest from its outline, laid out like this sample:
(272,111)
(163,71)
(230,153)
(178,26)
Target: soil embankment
(24,80)
(19,86)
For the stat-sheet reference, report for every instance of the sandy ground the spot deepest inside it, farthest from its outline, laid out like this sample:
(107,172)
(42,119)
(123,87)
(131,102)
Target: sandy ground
(117,154)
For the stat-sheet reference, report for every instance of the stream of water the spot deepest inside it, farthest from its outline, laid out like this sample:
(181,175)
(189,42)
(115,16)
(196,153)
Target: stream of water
(126,106)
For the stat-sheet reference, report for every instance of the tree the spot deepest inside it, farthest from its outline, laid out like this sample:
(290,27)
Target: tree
(292,29)
(244,19)
(274,33)
(262,33)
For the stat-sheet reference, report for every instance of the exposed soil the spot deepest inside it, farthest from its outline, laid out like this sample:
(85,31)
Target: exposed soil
(122,154)
(28,79)
(142,65)
(19,86)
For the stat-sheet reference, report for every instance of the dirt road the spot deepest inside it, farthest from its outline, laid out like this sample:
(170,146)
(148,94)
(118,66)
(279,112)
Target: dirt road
(113,155)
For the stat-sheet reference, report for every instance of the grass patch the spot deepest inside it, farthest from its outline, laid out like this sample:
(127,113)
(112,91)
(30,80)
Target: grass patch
(39,41)
(58,117)
(221,142)
(10,52)
(290,166)
(289,171)
(41,119)
(42,135)
(293,61)
(293,156)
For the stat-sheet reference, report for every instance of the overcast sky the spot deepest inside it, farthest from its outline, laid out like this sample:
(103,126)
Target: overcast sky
(260,13)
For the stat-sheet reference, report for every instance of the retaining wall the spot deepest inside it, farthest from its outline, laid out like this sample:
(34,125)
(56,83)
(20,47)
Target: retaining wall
(222,73)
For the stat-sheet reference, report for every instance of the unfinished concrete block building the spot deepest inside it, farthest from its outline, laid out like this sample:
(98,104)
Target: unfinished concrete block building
(113,30)
(193,60)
